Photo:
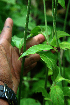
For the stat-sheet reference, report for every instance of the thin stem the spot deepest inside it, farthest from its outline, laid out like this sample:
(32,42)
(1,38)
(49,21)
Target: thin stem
(59,59)
(24,49)
(46,21)
(66,15)
(54,10)
(52,7)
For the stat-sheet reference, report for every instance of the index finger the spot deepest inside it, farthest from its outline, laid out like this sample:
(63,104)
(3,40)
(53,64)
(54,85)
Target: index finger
(7,30)
(35,40)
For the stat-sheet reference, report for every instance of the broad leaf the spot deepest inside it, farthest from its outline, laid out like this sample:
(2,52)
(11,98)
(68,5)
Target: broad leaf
(57,95)
(18,42)
(10,1)
(49,59)
(29,101)
(62,3)
(65,45)
(36,48)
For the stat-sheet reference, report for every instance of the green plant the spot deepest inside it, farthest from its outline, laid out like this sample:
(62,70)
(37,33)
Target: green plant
(53,80)
(56,94)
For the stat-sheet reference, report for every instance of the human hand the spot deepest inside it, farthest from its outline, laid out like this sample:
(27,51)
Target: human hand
(10,66)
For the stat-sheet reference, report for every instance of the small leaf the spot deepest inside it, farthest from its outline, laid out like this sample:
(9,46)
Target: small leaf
(57,95)
(65,45)
(62,3)
(36,48)
(18,41)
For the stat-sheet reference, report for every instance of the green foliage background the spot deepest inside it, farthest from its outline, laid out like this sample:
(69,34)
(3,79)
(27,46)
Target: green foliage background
(33,83)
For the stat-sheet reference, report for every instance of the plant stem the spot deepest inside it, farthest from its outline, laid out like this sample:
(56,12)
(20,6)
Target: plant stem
(59,59)
(24,49)
(46,21)
(54,14)
(66,16)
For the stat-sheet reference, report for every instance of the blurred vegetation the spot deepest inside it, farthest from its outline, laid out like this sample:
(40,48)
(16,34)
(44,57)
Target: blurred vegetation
(17,9)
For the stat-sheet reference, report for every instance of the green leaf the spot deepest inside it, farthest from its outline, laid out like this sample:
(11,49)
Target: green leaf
(57,95)
(62,34)
(18,42)
(65,45)
(36,30)
(10,1)
(60,78)
(49,59)
(59,35)
(36,48)
(66,91)
(40,29)
(29,101)
(62,3)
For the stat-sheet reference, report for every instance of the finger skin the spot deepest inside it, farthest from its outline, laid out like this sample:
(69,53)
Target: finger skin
(31,59)
(7,30)
(35,40)
(26,70)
